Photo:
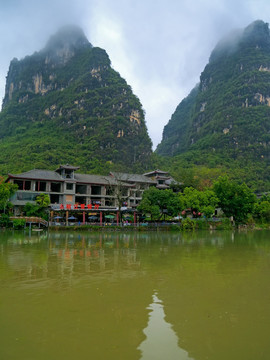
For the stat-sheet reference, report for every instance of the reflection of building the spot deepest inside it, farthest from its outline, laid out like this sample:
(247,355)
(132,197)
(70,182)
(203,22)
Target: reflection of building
(67,187)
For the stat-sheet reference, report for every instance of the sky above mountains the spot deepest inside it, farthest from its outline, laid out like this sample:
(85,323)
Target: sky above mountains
(160,47)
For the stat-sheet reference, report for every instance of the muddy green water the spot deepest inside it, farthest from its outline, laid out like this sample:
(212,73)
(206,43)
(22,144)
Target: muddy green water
(135,296)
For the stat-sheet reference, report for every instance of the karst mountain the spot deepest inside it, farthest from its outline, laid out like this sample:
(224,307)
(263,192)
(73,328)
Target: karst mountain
(66,104)
(225,120)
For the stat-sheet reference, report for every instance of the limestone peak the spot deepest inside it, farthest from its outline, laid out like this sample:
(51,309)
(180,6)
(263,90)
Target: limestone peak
(70,36)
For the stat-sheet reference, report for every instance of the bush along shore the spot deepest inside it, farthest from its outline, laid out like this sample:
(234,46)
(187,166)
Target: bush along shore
(187,224)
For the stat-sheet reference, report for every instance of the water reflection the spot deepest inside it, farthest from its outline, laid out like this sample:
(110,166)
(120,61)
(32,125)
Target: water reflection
(161,341)
(89,294)
(67,257)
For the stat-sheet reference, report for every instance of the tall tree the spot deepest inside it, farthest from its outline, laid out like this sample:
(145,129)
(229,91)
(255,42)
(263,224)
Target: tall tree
(262,210)
(200,201)
(6,191)
(234,199)
(118,187)
(158,202)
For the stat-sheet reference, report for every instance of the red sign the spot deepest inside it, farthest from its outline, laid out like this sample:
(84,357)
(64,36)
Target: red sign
(79,206)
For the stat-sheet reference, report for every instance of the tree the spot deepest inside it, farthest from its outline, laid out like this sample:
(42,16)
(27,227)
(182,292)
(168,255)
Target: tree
(118,187)
(234,199)
(6,191)
(39,208)
(262,211)
(31,209)
(158,202)
(43,200)
(200,201)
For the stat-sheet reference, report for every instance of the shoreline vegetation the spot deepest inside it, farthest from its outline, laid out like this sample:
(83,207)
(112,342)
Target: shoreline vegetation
(186,224)
(194,226)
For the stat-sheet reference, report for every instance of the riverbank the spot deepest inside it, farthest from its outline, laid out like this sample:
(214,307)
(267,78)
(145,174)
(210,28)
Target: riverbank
(185,225)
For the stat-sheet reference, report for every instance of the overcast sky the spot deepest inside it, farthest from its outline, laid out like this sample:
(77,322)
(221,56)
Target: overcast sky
(159,46)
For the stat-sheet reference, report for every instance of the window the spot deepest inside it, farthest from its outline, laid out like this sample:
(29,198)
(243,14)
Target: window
(23,184)
(124,191)
(69,174)
(27,185)
(55,187)
(26,196)
(81,189)
(19,183)
(109,202)
(40,186)
(96,190)
(54,199)
(69,186)
(110,191)
(80,200)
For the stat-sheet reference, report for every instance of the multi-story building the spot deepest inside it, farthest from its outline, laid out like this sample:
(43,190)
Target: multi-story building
(71,190)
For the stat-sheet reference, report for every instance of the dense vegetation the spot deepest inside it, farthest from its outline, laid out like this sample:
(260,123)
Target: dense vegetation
(224,124)
(71,107)
(237,202)
(6,191)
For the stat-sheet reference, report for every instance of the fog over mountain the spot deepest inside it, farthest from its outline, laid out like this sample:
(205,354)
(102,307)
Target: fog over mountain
(159,47)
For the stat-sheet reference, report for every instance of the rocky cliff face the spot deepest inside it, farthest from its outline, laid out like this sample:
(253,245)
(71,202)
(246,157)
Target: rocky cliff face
(228,115)
(37,73)
(69,92)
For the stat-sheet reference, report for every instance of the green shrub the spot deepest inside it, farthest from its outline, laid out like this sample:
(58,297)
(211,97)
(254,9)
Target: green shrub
(188,224)
(202,224)
(18,224)
(4,220)
(175,227)
(225,224)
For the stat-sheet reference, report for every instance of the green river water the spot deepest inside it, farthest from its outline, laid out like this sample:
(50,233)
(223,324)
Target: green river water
(167,296)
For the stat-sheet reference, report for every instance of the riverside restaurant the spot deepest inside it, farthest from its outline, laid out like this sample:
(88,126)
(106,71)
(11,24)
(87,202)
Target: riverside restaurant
(85,198)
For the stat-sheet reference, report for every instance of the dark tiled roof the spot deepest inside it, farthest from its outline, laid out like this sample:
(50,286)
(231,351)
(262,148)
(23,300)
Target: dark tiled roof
(94,179)
(68,167)
(132,177)
(38,175)
(162,186)
(97,179)
(163,177)
(112,179)
(154,172)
